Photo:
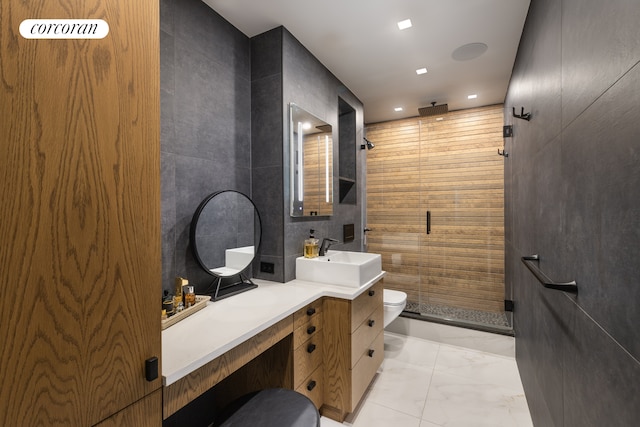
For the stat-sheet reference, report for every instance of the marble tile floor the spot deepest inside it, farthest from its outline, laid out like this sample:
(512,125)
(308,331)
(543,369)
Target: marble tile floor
(424,383)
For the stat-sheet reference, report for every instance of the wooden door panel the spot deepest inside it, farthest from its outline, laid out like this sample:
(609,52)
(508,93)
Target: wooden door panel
(80,213)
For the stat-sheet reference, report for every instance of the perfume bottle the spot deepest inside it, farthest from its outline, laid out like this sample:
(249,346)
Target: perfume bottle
(189,296)
(311,247)
(177,299)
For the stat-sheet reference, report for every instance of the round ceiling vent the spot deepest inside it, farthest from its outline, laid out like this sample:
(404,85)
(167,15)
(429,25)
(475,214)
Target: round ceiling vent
(469,51)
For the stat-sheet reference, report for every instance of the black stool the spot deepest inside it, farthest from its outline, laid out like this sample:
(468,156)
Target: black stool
(275,407)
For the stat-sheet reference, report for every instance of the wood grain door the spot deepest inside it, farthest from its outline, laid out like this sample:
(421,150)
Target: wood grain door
(79,213)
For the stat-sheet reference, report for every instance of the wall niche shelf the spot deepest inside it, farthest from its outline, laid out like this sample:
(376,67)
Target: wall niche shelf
(345,186)
(347,153)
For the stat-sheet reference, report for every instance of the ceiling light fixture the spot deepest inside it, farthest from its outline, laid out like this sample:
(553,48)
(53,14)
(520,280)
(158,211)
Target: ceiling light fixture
(421,71)
(474,96)
(398,109)
(403,25)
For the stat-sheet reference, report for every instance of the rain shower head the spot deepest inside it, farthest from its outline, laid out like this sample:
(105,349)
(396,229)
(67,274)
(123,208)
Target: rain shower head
(434,110)
(368,145)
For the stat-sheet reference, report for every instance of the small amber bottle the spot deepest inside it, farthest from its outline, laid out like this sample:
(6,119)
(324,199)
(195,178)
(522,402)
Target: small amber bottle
(189,296)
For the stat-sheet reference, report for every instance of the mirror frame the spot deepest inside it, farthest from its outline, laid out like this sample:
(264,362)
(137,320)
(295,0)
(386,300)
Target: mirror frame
(297,157)
(244,283)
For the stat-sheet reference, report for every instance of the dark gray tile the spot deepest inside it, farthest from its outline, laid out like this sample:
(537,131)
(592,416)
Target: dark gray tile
(550,238)
(572,195)
(167,122)
(166,16)
(524,199)
(600,159)
(267,184)
(290,268)
(167,62)
(206,32)
(266,54)
(211,109)
(601,380)
(537,78)
(168,218)
(599,45)
(267,125)
(278,265)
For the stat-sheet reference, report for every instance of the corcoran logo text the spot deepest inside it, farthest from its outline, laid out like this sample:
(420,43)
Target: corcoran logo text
(64,29)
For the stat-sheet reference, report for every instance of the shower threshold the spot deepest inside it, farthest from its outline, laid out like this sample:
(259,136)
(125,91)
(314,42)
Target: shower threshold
(466,318)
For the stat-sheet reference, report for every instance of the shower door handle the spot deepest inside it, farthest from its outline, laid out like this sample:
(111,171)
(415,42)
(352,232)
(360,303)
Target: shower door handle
(428,222)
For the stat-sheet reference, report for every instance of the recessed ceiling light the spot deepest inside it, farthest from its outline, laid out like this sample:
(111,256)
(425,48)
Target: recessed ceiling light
(403,25)
(474,96)
(398,109)
(421,71)
(306,126)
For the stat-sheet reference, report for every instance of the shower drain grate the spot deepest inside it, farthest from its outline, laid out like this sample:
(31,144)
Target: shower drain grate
(461,314)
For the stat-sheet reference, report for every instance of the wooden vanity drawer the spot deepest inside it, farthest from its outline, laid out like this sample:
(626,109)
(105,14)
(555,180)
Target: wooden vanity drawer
(312,387)
(307,330)
(362,338)
(306,358)
(306,313)
(365,370)
(365,304)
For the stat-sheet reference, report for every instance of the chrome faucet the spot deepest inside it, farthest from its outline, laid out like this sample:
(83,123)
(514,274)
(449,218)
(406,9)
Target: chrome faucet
(326,244)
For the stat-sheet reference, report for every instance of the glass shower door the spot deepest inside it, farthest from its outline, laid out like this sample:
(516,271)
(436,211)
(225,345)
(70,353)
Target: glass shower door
(393,206)
(435,204)
(462,246)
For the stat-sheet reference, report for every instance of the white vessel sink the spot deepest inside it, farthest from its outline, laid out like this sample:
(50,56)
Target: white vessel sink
(343,268)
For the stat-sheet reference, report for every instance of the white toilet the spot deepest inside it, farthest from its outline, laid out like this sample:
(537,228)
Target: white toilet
(394,303)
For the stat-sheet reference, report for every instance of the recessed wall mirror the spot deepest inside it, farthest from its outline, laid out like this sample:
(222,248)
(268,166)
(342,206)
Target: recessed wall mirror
(311,164)
(225,236)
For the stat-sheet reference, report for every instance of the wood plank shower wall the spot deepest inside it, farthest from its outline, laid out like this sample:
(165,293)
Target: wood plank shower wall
(452,169)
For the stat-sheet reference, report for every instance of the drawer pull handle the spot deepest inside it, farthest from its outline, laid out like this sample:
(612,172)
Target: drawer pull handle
(151,368)
(311,348)
(372,293)
(371,351)
(311,385)
(311,329)
(371,323)
(311,311)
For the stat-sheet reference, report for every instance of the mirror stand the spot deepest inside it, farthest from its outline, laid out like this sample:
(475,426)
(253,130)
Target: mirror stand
(218,292)
(225,237)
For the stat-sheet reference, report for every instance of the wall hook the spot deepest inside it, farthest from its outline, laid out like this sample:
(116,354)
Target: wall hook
(522,115)
(504,153)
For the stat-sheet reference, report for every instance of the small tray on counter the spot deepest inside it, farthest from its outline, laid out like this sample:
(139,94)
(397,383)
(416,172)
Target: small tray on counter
(201,302)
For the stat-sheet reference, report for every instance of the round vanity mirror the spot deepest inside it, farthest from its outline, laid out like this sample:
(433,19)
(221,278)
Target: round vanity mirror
(225,236)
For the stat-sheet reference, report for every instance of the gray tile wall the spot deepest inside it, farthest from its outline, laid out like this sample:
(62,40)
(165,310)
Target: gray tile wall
(284,71)
(572,195)
(205,72)
(224,111)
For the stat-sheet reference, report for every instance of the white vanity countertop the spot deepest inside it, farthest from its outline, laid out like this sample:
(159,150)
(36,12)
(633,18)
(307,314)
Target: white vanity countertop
(222,325)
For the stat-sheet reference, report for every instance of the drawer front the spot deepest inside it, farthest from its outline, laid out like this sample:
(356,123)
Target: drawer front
(310,329)
(312,387)
(365,370)
(306,313)
(365,304)
(363,337)
(306,358)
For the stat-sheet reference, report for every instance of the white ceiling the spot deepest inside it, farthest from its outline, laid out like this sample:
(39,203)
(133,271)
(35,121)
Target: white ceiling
(360,43)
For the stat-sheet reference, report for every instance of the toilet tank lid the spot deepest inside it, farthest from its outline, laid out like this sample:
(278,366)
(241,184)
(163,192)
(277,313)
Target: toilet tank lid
(394,297)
